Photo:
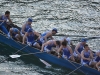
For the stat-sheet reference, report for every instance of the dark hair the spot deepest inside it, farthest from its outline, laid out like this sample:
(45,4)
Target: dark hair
(65,40)
(7,12)
(58,42)
(86,45)
(64,43)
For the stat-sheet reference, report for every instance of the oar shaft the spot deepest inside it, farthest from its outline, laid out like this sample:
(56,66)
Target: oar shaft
(75,70)
(1,23)
(70,35)
(32,53)
(88,38)
(17,56)
(76,67)
(21,49)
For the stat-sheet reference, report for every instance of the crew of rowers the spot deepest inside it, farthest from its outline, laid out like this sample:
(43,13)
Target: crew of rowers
(45,42)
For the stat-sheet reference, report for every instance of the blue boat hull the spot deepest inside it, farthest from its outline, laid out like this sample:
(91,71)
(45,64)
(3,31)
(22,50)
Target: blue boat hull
(48,57)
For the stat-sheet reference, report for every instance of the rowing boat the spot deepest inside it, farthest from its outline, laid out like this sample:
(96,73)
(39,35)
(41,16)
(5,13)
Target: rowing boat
(48,57)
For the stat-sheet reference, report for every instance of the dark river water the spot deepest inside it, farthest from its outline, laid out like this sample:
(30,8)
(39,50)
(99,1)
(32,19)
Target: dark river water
(73,17)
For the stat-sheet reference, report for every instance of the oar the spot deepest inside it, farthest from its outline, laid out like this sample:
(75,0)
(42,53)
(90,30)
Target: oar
(70,35)
(1,23)
(88,38)
(15,53)
(21,49)
(47,64)
(75,70)
(17,56)
(76,67)
(94,37)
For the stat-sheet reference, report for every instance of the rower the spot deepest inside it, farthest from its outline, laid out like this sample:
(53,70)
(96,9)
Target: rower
(14,33)
(30,36)
(97,57)
(47,35)
(86,56)
(78,49)
(47,46)
(67,51)
(98,66)
(3,21)
(26,26)
(67,39)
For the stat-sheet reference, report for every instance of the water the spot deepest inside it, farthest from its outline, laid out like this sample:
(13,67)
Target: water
(73,17)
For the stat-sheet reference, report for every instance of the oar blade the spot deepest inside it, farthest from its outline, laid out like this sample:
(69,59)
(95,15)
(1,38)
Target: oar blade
(47,64)
(15,56)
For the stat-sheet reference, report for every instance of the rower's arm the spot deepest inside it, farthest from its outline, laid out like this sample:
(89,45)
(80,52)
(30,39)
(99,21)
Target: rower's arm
(23,28)
(82,56)
(46,43)
(19,33)
(24,37)
(70,49)
(97,65)
(91,54)
(37,34)
(45,38)
(76,49)
(10,32)
(59,50)
(10,20)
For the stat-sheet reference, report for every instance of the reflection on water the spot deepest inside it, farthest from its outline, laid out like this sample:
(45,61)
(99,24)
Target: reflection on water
(78,17)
